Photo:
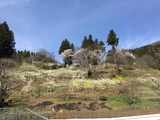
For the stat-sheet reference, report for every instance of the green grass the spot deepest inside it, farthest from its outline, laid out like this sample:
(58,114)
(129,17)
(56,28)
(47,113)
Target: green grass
(145,104)
(158,93)
(154,99)
(147,94)
(44,89)
(120,102)
(120,98)
(117,102)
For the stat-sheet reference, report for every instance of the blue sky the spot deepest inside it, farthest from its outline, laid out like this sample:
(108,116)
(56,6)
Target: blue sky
(46,23)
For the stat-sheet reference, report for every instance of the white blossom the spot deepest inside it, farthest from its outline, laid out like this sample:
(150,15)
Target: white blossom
(67,54)
(86,56)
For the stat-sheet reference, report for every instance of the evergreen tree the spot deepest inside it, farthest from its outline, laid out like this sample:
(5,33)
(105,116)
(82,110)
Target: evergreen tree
(88,42)
(23,56)
(66,50)
(112,39)
(96,44)
(84,42)
(7,42)
(92,44)
(72,47)
(102,46)
(66,45)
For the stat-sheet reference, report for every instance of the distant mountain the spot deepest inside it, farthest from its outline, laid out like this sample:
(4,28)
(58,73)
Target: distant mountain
(151,49)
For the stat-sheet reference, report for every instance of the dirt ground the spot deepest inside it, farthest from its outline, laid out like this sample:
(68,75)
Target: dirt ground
(88,110)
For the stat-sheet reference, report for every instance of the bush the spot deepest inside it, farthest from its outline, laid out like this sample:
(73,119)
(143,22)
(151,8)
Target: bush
(123,73)
(55,66)
(103,98)
(46,67)
(89,73)
(132,91)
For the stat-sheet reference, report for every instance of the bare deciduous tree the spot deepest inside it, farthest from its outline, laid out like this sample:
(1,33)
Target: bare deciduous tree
(7,81)
(123,57)
(146,61)
(44,56)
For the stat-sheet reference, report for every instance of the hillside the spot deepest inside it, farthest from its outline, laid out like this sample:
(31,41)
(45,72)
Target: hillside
(151,49)
(155,43)
(69,90)
(60,92)
(156,46)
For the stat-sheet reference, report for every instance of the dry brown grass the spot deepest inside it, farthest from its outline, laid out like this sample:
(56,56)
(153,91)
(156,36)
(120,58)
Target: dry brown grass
(62,77)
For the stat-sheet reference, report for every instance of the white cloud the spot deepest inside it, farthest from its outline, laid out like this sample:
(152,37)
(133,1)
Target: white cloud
(131,42)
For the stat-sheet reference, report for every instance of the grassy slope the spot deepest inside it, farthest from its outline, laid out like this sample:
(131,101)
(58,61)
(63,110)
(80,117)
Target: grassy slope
(64,80)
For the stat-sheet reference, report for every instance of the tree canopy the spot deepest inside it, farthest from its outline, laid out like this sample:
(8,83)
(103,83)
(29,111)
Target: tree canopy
(65,45)
(7,42)
(112,39)
(92,44)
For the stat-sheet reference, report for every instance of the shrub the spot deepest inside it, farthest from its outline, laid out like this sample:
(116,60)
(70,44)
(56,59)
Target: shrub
(132,91)
(89,73)
(54,67)
(123,73)
(103,98)
(46,67)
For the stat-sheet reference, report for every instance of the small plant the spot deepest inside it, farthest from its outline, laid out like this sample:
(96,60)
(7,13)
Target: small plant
(132,99)
(66,95)
(54,67)
(123,73)
(46,67)
(103,98)
(89,73)
(132,91)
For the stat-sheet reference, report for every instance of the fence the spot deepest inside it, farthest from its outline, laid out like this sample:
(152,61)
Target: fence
(28,114)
